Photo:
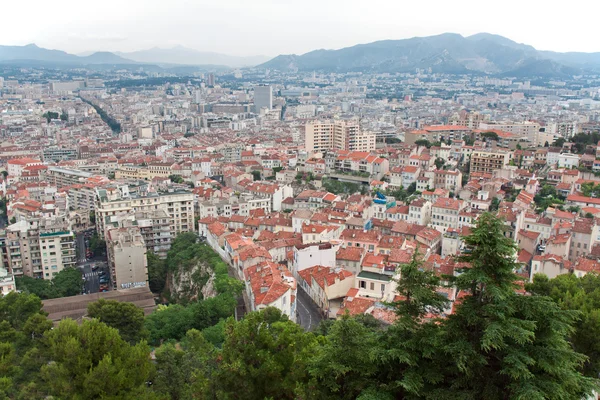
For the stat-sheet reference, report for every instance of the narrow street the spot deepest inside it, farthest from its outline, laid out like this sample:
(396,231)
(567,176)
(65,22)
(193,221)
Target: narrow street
(309,315)
(80,245)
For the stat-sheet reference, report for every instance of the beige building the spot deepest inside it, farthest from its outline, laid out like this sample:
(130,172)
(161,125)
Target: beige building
(61,177)
(127,258)
(526,128)
(153,225)
(39,248)
(489,160)
(337,135)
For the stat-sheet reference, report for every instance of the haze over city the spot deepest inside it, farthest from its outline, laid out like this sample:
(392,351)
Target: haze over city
(272,27)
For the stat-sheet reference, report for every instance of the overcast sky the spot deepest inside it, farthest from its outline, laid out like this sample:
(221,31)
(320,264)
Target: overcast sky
(271,27)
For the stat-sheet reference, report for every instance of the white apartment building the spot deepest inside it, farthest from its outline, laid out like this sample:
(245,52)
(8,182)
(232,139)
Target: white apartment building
(179,205)
(568,160)
(444,213)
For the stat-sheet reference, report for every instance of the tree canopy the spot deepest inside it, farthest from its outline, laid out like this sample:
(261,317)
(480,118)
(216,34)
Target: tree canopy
(65,283)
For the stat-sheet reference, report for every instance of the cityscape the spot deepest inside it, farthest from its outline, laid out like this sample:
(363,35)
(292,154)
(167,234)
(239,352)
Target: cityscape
(414,218)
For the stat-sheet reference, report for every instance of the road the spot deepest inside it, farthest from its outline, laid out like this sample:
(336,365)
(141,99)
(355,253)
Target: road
(92,278)
(80,243)
(92,284)
(309,315)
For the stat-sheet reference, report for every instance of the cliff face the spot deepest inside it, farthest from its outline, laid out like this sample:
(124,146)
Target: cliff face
(193,283)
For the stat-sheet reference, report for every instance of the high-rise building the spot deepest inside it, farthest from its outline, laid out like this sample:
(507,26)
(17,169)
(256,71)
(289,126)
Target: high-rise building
(210,80)
(39,248)
(337,135)
(127,258)
(263,97)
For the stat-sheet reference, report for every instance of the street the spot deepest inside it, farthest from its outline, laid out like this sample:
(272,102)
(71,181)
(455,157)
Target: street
(309,315)
(92,284)
(91,281)
(80,245)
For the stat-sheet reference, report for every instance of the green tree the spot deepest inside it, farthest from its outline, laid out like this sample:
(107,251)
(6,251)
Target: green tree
(559,142)
(589,189)
(68,282)
(176,178)
(97,245)
(157,272)
(499,344)
(256,175)
(406,361)
(185,371)
(343,367)
(439,163)
(264,356)
(423,142)
(583,296)
(127,318)
(92,361)
(491,136)
(495,204)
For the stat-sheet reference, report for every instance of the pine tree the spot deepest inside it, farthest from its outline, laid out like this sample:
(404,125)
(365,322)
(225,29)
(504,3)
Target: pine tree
(502,345)
(407,359)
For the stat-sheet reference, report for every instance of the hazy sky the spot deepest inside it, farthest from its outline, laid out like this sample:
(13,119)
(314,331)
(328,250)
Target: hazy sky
(271,27)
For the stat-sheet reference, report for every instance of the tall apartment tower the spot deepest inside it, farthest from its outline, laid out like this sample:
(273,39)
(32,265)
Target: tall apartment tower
(263,97)
(337,135)
(210,79)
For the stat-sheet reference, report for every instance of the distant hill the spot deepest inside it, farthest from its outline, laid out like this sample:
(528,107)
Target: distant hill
(184,56)
(31,52)
(105,57)
(446,53)
(168,58)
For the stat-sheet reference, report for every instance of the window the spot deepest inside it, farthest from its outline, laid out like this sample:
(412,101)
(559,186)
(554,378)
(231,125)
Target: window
(383,287)
(362,284)
(372,286)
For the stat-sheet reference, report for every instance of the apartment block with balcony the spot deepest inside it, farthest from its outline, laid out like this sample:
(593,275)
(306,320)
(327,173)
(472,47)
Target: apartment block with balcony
(487,161)
(321,136)
(154,226)
(178,205)
(39,248)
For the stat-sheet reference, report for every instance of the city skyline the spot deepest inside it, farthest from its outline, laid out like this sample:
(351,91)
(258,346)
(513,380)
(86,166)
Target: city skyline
(270,28)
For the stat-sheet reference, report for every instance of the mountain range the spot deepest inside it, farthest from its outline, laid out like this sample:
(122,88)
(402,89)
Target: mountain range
(174,56)
(483,53)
